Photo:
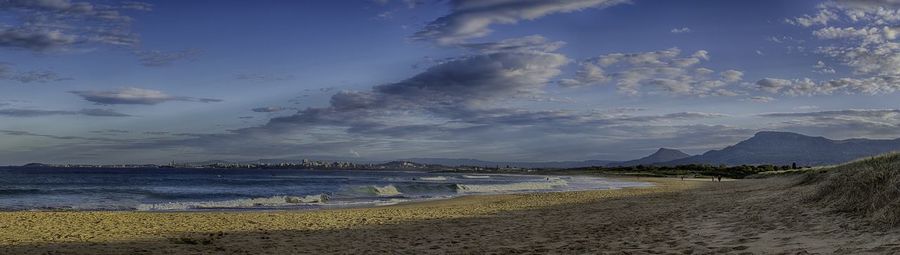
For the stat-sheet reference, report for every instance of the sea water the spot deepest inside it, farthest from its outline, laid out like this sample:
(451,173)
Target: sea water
(166,189)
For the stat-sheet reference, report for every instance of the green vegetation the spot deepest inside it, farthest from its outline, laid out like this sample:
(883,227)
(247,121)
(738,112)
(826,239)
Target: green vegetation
(693,170)
(869,187)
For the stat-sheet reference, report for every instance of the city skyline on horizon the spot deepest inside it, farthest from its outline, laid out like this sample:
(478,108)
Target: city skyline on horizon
(559,80)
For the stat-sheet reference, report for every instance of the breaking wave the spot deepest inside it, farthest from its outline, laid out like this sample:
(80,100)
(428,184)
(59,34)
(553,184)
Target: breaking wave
(263,202)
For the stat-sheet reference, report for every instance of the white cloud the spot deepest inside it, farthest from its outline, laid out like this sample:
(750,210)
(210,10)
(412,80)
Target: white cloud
(682,30)
(773,85)
(732,75)
(58,24)
(805,86)
(821,18)
(821,67)
(859,34)
(663,71)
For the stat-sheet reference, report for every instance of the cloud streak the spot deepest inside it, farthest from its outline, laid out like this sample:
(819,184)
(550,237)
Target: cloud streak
(136,96)
(268,109)
(474,18)
(43,76)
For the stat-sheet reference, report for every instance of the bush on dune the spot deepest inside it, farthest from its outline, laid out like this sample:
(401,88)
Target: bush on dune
(868,187)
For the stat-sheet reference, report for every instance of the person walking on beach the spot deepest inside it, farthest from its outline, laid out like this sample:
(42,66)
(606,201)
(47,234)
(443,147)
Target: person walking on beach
(719,177)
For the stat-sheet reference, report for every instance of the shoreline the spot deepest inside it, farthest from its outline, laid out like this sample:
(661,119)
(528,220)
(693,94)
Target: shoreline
(50,227)
(756,216)
(326,201)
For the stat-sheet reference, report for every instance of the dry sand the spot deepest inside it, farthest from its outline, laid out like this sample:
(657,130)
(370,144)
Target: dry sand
(680,217)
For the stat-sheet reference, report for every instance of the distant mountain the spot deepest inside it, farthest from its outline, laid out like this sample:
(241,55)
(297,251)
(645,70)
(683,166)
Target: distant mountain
(785,148)
(35,165)
(660,156)
(482,163)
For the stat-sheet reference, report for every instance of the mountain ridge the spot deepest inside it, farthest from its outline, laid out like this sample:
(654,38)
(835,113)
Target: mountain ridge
(786,148)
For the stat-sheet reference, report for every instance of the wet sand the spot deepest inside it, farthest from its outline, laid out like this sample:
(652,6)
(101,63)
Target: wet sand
(681,217)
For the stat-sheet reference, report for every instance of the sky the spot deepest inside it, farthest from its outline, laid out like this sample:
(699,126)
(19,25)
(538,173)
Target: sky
(508,80)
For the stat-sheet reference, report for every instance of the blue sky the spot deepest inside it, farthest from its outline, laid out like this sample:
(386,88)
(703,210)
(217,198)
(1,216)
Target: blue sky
(127,82)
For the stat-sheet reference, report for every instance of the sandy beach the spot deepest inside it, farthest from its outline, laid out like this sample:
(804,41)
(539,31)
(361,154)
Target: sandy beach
(683,217)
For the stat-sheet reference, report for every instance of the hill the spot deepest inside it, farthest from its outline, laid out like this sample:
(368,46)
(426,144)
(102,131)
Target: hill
(661,155)
(785,148)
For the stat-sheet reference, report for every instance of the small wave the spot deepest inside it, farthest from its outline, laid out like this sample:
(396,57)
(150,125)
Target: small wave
(521,186)
(275,201)
(476,176)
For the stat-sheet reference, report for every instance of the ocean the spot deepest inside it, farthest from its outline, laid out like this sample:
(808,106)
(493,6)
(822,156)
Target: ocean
(257,189)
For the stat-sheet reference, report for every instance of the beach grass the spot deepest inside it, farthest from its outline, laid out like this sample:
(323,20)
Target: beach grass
(869,187)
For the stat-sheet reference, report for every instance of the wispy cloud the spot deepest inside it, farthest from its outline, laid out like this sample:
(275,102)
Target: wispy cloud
(155,58)
(40,113)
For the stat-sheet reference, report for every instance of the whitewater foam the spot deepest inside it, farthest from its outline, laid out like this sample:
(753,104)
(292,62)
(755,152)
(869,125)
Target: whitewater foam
(435,178)
(274,201)
(520,186)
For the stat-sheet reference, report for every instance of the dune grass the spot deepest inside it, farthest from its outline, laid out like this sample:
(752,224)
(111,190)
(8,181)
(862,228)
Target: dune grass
(868,187)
